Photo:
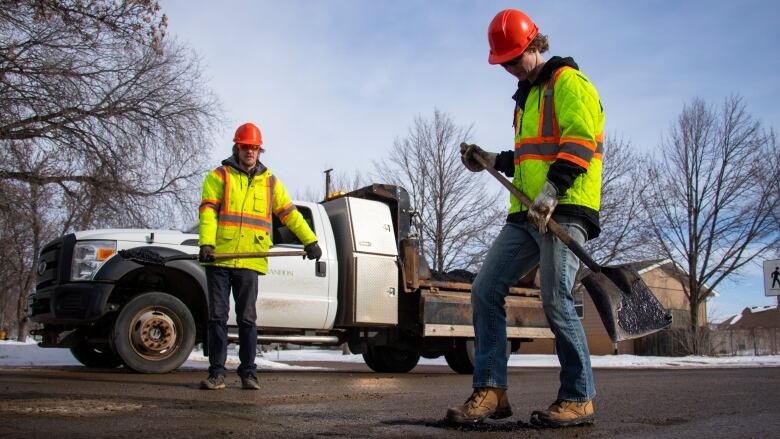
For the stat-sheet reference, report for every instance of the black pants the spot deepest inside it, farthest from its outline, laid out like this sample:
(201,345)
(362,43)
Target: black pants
(244,285)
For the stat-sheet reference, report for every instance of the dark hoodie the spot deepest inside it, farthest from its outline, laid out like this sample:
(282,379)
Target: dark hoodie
(232,161)
(562,173)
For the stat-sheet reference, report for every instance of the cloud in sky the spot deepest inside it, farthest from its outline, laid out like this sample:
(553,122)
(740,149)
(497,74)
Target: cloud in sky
(333,83)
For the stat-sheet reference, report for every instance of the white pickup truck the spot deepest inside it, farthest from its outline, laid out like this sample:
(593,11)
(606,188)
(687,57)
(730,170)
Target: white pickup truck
(371,289)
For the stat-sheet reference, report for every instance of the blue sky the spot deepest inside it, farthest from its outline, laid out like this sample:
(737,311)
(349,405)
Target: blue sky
(332,83)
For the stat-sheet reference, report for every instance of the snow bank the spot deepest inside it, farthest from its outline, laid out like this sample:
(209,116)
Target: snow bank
(28,354)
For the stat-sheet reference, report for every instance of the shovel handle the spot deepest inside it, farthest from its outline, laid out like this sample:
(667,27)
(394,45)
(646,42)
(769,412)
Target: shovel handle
(258,254)
(552,226)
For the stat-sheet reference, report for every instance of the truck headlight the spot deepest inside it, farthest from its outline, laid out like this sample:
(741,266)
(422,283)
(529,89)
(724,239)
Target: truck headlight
(89,256)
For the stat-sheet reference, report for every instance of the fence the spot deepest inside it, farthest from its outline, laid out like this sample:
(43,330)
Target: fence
(660,344)
(754,341)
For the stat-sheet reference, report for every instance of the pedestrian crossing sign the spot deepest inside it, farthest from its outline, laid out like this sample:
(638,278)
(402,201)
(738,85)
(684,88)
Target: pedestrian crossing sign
(772,278)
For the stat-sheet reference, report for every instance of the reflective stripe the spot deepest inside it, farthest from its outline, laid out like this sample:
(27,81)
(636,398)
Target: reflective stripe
(548,114)
(269,195)
(576,152)
(220,173)
(226,190)
(245,220)
(282,214)
(245,215)
(536,149)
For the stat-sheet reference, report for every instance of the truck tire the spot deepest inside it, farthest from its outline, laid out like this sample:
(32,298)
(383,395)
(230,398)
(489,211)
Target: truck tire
(97,357)
(154,333)
(386,359)
(461,359)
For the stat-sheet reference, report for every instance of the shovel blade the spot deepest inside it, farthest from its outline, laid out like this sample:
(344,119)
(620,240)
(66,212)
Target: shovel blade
(626,305)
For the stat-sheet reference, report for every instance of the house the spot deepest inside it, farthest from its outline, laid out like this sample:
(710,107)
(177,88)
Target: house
(666,280)
(751,318)
(756,331)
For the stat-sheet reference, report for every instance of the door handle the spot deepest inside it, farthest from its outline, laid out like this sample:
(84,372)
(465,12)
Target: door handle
(320,268)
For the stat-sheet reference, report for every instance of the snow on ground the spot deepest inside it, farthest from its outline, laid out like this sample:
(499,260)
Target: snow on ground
(14,354)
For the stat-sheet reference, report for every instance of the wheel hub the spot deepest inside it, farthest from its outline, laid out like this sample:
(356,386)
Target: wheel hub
(154,332)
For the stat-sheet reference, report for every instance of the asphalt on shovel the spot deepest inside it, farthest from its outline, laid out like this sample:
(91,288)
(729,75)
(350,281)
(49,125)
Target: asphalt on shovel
(626,305)
(145,256)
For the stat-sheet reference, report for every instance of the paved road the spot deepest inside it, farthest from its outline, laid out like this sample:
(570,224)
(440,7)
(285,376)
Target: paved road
(351,401)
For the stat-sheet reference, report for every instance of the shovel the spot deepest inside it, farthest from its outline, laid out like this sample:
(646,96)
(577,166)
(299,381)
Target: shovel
(145,256)
(626,305)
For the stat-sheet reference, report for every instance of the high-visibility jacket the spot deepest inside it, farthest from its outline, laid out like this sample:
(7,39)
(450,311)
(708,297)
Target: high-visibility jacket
(561,119)
(236,214)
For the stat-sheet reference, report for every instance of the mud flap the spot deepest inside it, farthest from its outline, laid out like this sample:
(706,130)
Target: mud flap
(626,305)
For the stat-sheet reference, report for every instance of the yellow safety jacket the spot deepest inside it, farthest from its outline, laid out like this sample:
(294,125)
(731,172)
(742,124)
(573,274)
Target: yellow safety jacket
(235,214)
(561,119)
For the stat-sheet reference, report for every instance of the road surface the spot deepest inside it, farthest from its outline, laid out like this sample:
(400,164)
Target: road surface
(347,400)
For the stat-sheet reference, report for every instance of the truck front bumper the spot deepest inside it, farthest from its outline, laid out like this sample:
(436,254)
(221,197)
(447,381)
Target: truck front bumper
(76,304)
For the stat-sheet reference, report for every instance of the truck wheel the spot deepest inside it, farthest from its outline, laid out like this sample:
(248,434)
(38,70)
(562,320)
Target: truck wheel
(97,357)
(386,359)
(461,359)
(154,333)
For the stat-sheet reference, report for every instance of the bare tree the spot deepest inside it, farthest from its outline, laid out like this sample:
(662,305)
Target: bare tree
(457,210)
(713,201)
(103,121)
(624,179)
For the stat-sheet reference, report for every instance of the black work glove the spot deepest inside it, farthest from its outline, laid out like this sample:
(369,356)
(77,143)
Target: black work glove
(313,251)
(466,156)
(206,254)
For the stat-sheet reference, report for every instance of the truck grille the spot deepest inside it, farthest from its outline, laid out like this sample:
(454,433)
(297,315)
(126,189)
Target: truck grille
(54,262)
(69,303)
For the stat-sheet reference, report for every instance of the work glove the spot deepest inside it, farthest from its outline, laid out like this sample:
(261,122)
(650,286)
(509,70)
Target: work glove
(313,251)
(466,156)
(206,254)
(542,207)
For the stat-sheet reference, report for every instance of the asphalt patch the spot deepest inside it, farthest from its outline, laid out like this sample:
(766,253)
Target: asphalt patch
(486,427)
(67,407)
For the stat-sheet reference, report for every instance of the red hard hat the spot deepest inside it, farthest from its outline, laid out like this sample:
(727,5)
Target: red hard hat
(248,134)
(509,34)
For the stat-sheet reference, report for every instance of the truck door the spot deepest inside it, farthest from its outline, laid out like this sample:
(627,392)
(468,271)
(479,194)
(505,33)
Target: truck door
(292,294)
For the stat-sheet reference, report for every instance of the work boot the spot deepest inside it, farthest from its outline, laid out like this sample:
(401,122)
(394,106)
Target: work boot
(564,413)
(249,382)
(213,382)
(487,402)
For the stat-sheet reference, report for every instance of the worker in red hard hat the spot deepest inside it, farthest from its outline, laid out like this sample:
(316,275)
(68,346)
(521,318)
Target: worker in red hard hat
(231,224)
(557,162)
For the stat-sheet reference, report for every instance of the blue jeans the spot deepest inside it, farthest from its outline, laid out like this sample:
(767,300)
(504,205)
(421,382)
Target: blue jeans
(515,252)
(244,284)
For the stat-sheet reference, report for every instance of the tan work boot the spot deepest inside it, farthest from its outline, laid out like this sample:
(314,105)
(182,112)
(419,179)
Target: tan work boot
(564,413)
(487,402)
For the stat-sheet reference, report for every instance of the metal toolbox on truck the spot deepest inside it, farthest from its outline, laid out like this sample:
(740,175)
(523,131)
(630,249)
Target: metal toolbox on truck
(368,261)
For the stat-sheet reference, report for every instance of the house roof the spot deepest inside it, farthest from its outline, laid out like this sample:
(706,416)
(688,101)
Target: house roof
(649,265)
(754,317)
